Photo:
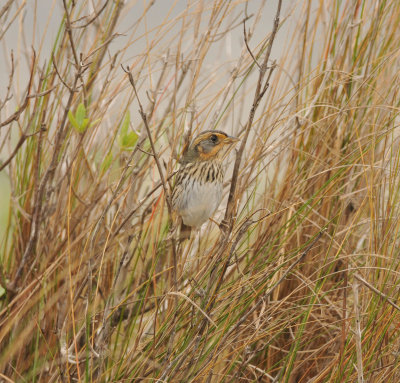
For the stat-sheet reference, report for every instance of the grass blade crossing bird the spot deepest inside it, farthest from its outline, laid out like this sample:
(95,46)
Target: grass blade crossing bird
(199,183)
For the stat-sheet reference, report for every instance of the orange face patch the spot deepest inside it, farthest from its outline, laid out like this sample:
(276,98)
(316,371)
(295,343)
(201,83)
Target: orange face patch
(204,141)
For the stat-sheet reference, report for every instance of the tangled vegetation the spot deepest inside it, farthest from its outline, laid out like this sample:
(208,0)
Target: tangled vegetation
(300,281)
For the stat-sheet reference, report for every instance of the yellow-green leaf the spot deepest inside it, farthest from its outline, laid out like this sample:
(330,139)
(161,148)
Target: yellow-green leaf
(125,124)
(80,114)
(72,120)
(106,162)
(126,139)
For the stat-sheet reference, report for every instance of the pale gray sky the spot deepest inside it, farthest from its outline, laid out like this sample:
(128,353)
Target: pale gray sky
(33,17)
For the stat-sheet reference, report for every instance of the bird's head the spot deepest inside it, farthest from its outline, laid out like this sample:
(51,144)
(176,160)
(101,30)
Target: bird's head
(209,145)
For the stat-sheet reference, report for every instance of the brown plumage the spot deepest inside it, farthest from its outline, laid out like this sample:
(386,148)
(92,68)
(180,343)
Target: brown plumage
(198,187)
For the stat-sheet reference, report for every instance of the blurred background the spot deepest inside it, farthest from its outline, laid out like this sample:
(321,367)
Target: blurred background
(303,284)
(34,25)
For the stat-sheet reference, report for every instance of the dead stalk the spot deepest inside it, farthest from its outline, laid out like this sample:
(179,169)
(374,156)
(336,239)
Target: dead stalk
(358,335)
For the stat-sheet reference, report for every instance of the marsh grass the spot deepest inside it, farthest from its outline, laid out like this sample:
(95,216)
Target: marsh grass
(299,285)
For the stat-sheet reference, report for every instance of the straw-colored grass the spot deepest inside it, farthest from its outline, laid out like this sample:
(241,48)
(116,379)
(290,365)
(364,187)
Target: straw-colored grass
(300,283)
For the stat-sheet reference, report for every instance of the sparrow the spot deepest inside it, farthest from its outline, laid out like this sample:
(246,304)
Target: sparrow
(199,182)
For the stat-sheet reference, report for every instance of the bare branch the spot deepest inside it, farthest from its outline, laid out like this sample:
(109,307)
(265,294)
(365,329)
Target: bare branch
(10,78)
(59,75)
(259,93)
(146,125)
(247,44)
(92,19)
(375,290)
(16,115)
(5,8)
(41,186)
(20,142)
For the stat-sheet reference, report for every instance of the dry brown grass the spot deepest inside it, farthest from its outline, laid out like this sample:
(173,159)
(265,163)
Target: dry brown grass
(301,283)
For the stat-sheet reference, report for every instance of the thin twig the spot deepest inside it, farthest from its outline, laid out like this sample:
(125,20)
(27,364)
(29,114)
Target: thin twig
(69,32)
(42,191)
(78,61)
(265,296)
(92,19)
(146,125)
(207,317)
(259,93)
(357,332)
(15,116)
(7,97)
(375,290)
(95,68)
(142,201)
(5,8)
(20,142)
(247,45)
(59,75)
(165,187)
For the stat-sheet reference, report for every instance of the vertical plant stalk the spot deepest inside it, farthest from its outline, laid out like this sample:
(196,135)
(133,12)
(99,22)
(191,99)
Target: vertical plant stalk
(357,333)
(265,296)
(77,60)
(43,192)
(262,87)
(95,70)
(160,171)
(258,95)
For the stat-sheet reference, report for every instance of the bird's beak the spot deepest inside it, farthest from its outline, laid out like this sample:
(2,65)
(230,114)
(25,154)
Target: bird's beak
(231,140)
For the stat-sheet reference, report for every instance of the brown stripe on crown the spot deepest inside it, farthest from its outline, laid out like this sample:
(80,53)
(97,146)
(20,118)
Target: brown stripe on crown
(204,135)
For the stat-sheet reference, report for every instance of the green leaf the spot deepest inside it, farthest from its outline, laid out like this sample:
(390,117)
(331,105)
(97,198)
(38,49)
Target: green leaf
(72,120)
(106,162)
(131,139)
(79,121)
(80,114)
(125,124)
(84,125)
(126,139)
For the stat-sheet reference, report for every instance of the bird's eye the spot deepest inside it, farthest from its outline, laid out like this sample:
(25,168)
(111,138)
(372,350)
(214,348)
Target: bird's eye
(213,138)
